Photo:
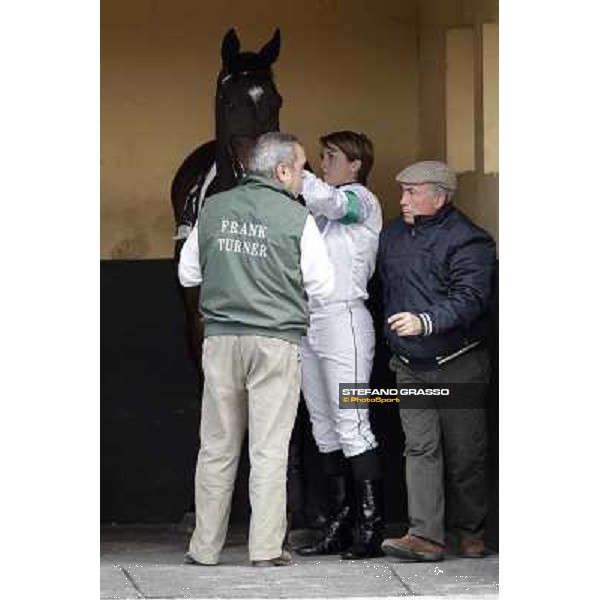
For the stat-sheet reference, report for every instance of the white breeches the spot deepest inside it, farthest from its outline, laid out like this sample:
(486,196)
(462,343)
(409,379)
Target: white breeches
(338,348)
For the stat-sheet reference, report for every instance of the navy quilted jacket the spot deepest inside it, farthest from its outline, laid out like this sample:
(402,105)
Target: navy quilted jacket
(440,268)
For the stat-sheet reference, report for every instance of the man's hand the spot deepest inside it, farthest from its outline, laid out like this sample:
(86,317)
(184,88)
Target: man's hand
(405,323)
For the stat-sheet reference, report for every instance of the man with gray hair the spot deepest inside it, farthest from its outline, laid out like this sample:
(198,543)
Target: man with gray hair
(257,253)
(436,268)
(273,149)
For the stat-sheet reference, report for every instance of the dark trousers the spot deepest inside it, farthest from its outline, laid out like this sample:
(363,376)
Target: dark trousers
(445,445)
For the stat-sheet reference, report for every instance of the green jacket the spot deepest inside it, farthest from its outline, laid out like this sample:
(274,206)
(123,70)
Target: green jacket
(249,244)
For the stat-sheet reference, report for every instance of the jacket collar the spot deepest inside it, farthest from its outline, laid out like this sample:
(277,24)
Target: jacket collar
(258,181)
(440,216)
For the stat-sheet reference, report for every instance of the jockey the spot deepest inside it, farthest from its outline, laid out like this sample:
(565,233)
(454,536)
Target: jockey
(340,345)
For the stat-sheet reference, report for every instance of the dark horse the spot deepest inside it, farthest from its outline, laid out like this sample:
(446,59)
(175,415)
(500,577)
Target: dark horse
(247,105)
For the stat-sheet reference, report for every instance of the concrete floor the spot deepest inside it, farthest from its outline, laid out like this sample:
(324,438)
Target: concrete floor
(147,562)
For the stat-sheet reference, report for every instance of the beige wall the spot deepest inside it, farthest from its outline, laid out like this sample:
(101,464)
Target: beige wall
(343,64)
(376,66)
(478,193)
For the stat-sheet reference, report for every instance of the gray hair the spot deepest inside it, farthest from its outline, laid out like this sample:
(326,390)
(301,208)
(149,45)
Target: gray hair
(434,188)
(272,149)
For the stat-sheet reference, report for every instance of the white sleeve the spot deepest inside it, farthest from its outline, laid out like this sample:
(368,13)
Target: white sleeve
(189,261)
(317,270)
(348,206)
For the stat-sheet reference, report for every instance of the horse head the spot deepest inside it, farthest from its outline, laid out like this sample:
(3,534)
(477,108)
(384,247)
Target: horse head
(247,105)
(247,102)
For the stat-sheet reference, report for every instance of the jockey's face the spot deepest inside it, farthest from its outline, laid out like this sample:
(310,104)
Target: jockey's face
(336,167)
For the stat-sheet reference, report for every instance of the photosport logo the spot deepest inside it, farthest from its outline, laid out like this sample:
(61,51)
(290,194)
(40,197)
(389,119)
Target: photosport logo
(414,395)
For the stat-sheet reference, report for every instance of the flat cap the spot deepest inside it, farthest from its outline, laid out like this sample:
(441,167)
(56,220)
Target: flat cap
(429,171)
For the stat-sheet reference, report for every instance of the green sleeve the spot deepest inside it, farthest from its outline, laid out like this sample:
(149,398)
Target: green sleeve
(352,210)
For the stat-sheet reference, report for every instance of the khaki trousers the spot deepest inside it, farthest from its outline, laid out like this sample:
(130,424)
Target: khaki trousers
(254,382)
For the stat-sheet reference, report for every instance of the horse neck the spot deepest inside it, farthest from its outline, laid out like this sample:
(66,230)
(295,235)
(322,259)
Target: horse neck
(225,171)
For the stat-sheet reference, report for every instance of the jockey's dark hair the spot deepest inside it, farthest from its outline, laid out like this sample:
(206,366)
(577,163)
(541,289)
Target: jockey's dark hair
(355,146)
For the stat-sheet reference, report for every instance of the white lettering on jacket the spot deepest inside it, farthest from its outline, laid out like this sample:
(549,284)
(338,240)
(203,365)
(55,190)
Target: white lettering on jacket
(244,229)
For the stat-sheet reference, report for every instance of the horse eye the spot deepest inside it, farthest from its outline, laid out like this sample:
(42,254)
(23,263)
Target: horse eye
(226,102)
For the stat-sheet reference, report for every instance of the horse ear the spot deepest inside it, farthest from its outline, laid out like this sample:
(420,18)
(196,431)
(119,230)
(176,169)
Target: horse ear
(270,51)
(229,47)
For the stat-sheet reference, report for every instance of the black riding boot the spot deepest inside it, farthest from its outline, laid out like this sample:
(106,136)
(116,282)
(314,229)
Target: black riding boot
(368,533)
(337,534)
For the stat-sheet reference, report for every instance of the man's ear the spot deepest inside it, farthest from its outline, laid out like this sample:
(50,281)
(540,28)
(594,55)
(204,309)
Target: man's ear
(281,172)
(355,165)
(440,200)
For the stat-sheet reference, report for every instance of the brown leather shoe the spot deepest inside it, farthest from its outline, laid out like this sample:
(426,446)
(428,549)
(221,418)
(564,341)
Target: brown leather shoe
(283,560)
(414,548)
(472,548)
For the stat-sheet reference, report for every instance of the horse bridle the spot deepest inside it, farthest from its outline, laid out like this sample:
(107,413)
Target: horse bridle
(244,73)
(239,170)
